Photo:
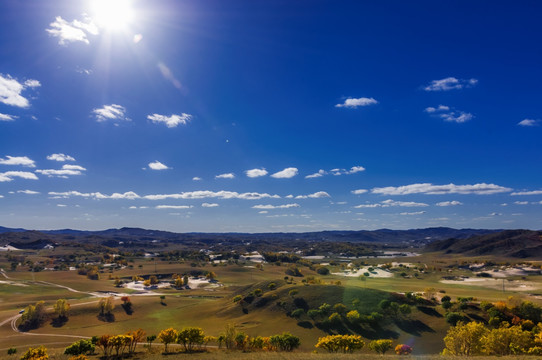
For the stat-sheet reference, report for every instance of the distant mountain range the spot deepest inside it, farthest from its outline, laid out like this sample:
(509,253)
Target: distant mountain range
(414,237)
(507,243)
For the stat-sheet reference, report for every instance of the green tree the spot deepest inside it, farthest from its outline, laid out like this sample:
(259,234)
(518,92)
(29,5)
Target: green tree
(285,341)
(80,347)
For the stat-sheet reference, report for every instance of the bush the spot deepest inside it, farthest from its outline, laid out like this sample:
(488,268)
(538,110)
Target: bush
(403,349)
(12,351)
(284,342)
(39,353)
(297,313)
(380,346)
(340,343)
(190,337)
(80,347)
(453,318)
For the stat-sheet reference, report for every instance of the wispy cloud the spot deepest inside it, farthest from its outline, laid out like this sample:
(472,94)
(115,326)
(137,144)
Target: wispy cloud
(316,195)
(60,157)
(253,173)
(28,192)
(413,213)
(534,192)
(196,178)
(6,117)
(353,103)
(352,170)
(225,176)
(450,83)
(391,203)
(528,122)
(273,207)
(445,113)
(157,165)
(170,121)
(111,112)
(209,205)
(428,188)
(359,191)
(65,172)
(130,195)
(449,203)
(286,173)
(320,173)
(10,175)
(11,89)
(206,194)
(76,30)
(18,160)
(521,202)
(176,207)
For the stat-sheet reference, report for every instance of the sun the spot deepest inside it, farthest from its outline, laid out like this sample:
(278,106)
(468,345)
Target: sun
(112,14)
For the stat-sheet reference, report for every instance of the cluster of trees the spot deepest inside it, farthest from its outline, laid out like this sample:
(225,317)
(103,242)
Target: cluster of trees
(475,338)
(35,315)
(351,343)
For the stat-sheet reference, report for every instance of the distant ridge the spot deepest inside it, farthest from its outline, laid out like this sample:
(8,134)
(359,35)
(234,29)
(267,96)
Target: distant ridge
(414,237)
(507,243)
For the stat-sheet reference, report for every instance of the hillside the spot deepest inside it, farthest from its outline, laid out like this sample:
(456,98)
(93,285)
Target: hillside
(508,243)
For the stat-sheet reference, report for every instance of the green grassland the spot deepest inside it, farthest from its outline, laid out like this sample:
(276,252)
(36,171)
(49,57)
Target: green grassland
(211,308)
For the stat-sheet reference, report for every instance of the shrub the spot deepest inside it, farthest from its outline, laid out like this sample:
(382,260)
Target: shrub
(39,353)
(403,349)
(190,337)
(340,343)
(297,313)
(12,351)
(284,342)
(80,347)
(380,346)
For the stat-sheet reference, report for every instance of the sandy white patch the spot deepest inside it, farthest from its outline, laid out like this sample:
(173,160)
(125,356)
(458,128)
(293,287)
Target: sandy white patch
(8,248)
(514,285)
(12,283)
(376,272)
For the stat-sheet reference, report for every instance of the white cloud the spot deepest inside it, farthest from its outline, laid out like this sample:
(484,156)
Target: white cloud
(495,214)
(528,122)
(176,207)
(6,117)
(225,176)
(521,202)
(195,178)
(286,173)
(73,167)
(320,173)
(359,191)
(60,157)
(129,195)
(9,175)
(535,192)
(427,188)
(112,112)
(450,83)
(18,160)
(10,91)
(354,103)
(263,212)
(316,195)
(209,205)
(1,196)
(76,30)
(168,75)
(253,173)
(355,169)
(272,207)
(28,192)
(413,213)
(65,172)
(157,165)
(390,202)
(451,115)
(449,203)
(431,109)
(206,194)
(170,121)
(61,205)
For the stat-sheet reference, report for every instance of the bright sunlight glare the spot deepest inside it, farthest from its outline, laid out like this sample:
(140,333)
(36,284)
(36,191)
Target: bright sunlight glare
(112,14)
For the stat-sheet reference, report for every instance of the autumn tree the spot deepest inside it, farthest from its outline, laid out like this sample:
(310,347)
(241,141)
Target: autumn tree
(106,306)
(39,353)
(167,337)
(507,341)
(62,308)
(189,337)
(135,337)
(465,339)
(340,343)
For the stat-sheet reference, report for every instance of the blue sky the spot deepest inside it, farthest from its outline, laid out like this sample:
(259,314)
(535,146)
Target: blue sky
(264,116)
